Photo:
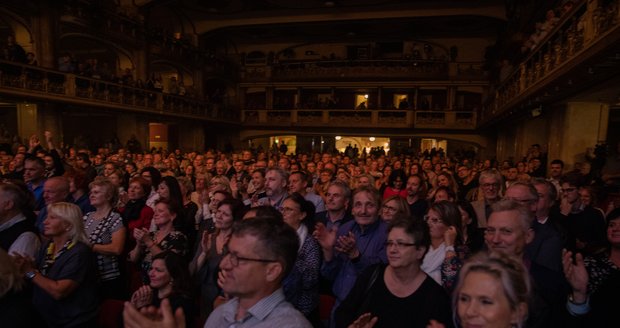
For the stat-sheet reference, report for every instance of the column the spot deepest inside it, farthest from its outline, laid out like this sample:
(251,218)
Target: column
(26,119)
(43,34)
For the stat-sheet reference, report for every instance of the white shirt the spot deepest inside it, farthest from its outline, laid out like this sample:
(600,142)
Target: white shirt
(27,244)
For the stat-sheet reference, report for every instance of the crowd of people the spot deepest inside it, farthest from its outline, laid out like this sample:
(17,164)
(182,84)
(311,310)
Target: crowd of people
(257,239)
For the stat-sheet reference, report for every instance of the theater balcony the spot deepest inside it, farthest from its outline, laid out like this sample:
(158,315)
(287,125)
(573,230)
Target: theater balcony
(24,82)
(578,59)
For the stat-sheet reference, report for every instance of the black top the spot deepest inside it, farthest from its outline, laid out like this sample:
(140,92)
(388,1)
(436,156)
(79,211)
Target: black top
(429,301)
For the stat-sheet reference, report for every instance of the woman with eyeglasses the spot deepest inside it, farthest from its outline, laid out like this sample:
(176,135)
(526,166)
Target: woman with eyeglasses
(444,222)
(394,207)
(301,286)
(400,294)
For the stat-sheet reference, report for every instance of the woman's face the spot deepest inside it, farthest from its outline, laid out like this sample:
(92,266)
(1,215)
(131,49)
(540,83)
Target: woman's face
(159,275)
(398,183)
(223,218)
(414,169)
(135,191)
(585,196)
(115,179)
(481,302)
(613,232)
(400,249)
(162,215)
(442,195)
(442,180)
(189,170)
(163,191)
(55,226)
(389,210)
(435,224)
(97,196)
(465,218)
(216,184)
(200,183)
(291,212)
(215,201)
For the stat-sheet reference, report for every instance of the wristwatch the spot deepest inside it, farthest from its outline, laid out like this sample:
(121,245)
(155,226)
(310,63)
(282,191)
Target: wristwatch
(30,275)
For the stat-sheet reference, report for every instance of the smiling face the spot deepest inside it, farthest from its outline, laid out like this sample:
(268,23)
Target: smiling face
(365,208)
(481,303)
(135,191)
(223,217)
(163,191)
(162,215)
(613,232)
(505,233)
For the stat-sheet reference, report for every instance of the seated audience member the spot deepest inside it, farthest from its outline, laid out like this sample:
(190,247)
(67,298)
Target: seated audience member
(169,279)
(136,214)
(298,182)
(211,248)
(149,244)
(106,234)
(416,196)
(301,286)
(584,223)
(17,231)
(16,308)
(496,280)
(118,180)
(356,245)
(261,252)
(386,295)
(491,187)
(396,184)
(394,207)
(78,189)
(64,276)
(34,177)
(337,199)
(55,189)
(595,280)
(153,176)
(443,193)
(444,222)
(473,238)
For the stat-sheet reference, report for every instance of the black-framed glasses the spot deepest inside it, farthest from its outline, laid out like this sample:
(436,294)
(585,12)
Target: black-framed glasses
(399,244)
(234,259)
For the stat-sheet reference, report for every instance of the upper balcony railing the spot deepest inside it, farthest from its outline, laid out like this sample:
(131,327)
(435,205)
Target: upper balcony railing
(577,32)
(32,82)
(456,120)
(384,69)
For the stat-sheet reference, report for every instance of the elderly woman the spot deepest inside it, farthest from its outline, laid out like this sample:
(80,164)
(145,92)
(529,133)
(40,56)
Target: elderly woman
(386,295)
(394,207)
(301,286)
(444,222)
(211,249)
(492,291)
(64,276)
(106,234)
(135,213)
(118,180)
(163,238)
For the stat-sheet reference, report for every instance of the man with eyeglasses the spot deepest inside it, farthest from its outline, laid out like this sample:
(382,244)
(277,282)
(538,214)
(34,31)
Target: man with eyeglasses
(584,223)
(260,254)
(491,183)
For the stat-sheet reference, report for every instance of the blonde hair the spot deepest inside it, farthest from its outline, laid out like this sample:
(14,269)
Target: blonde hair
(71,214)
(10,277)
(111,191)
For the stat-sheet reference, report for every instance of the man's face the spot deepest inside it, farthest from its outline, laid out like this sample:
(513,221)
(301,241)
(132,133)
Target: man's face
(505,233)
(571,193)
(243,278)
(148,160)
(545,202)
(274,183)
(220,168)
(52,192)
(33,172)
(209,163)
(284,164)
(296,184)
(365,209)
(335,199)
(521,195)
(311,167)
(413,186)
(247,155)
(490,188)
(326,158)
(198,161)
(239,166)
(512,174)
(556,171)
(108,169)
(258,181)
(426,164)
(49,162)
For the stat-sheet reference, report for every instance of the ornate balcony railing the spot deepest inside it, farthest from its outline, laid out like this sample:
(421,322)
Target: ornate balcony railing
(392,69)
(589,23)
(456,120)
(31,82)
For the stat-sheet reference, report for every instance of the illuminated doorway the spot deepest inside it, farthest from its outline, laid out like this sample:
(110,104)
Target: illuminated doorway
(428,144)
(342,142)
(361,101)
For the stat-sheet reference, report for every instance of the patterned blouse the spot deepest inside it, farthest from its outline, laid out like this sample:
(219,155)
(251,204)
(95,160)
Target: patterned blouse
(101,233)
(600,268)
(175,241)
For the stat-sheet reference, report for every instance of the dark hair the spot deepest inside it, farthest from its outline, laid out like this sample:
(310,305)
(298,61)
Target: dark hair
(277,240)
(395,175)
(558,161)
(84,157)
(179,272)
(613,215)
(155,175)
(302,174)
(448,191)
(236,207)
(263,211)
(467,207)
(423,190)
(374,193)
(304,205)
(173,188)
(450,215)
(417,229)
(37,160)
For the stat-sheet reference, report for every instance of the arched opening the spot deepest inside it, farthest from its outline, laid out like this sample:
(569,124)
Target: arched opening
(86,51)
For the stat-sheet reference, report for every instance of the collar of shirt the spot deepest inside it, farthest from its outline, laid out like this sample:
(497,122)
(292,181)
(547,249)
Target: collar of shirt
(14,220)
(260,310)
(358,230)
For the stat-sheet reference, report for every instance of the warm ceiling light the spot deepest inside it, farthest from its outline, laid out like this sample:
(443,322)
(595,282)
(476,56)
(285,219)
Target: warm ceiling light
(371,138)
(338,137)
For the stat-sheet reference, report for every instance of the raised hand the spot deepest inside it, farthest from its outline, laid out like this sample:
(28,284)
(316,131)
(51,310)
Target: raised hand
(142,297)
(325,237)
(346,244)
(365,320)
(205,241)
(576,275)
(152,317)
